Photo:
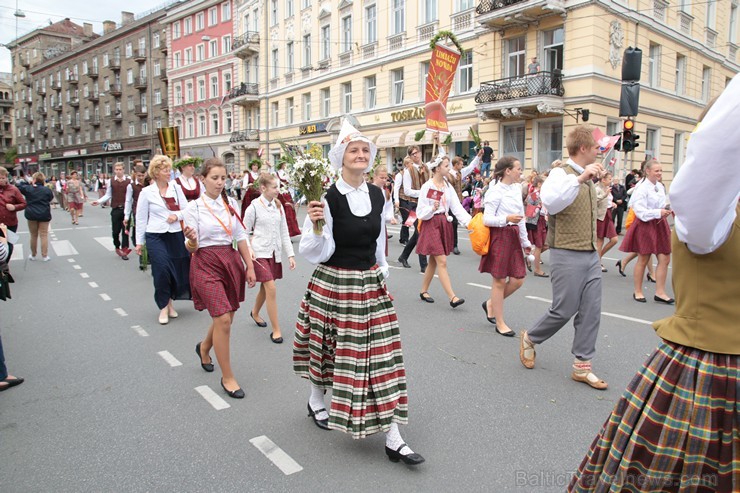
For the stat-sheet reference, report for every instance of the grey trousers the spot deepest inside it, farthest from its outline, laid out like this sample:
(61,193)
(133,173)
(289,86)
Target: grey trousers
(576,290)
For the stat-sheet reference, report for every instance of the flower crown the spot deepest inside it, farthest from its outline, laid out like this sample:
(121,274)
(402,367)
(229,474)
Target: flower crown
(186,161)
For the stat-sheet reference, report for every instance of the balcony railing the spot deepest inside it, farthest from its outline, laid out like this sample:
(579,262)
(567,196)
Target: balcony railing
(42,110)
(140,83)
(541,83)
(41,90)
(163,74)
(488,6)
(463,21)
(56,85)
(114,64)
(74,102)
(95,121)
(141,111)
(73,79)
(115,90)
(117,116)
(75,124)
(57,106)
(93,97)
(245,139)
(140,55)
(92,72)
(26,81)
(29,117)
(164,105)
(26,62)
(244,93)
(247,44)
(58,128)
(44,130)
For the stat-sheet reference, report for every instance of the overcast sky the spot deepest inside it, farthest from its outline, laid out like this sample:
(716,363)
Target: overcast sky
(40,12)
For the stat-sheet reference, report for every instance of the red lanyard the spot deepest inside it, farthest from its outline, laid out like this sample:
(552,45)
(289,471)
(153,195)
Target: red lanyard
(228,230)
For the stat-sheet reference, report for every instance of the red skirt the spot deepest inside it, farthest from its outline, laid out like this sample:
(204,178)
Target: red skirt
(266,269)
(505,257)
(538,236)
(605,228)
(290,215)
(435,237)
(645,238)
(217,279)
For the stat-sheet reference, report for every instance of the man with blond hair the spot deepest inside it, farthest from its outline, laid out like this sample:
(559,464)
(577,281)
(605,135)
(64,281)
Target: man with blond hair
(116,195)
(569,196)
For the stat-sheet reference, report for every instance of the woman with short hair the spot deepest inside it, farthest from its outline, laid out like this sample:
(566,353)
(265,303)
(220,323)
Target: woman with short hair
(38,213)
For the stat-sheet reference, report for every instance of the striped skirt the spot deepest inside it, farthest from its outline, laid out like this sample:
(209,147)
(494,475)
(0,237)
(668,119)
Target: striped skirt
(645,238)
(606,228)
(674,429)
(347,339)
(435,237)
(505,257)
(217,279)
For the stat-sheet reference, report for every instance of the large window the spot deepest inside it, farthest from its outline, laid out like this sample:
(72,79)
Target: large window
(202,125)
(370,92)
(347,97)
(461,5)
(371,23)
(325,102)
(227,82)
(200,21)
(679,150)
(429,13)
(275,64)
(188,26)
(680,75)
(289,8)
(325,42)
(397,86)
(513,141)
(290,57)
(214,86)
(273,12)
(213,16)
(201,89)
(307,107)
(226,12)
(423,73)
(307,50)
(706,83)
(732,36)
(553,46)
(214,123)
(189,92)
(516,57)
(652,143)
(654,65)
(398,16)
(275,114)
(711,14)
(549,144)
(346,33)
(289,111)
(464,82)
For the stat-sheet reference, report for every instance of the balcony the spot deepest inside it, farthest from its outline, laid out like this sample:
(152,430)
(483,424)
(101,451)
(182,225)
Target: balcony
(164,105)
(140,83)
(94,121)
(163,74)
(74,102)
(25,62)
(163,47)
(117,117)
(75,124)
(58,128)
(31,137)
(115,90)
(245,94)
(501,13)
(426,32)
(29,117)
(44,130)
(114,64)
(26,81)
(73,79)
(396,41)
(93,97)
(141,111)
(463,21)
(345,59)
(92,72)
(41,90)
(246,139)
(56,85)
(523,97)
(29,100)
(41,110)
(57,106)
(140,55)
(246,45)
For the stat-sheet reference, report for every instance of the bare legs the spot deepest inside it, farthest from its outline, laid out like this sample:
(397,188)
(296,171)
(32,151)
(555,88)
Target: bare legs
(631,256)
(661,275)
(603,248)
(73,213)
(500,290)
(217,338)
(438,263)
(538,260)
(268,293)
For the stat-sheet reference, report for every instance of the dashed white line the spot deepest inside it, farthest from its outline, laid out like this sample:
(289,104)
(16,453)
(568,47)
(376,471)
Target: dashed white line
(71,260)
(63,248)
(479,285)
(93,284)
(121,312)
(606,314)
(84,275)
(537,298)
(77,267)
(140,331)
(105,297)
(211,397)
(283,461)
(171,360)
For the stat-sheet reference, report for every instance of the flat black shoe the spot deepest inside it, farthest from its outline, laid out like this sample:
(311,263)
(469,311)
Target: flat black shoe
(639,300)
(410,460)
(455,304)
(423,269)
(404,262)
(505,334)
(669,301)
(321,423)
(619,266)
(456,251)
(259,324)
(206,366)
(426,298)
(650,278)
(276,340)
(485,309)
(12,382)
(236,394)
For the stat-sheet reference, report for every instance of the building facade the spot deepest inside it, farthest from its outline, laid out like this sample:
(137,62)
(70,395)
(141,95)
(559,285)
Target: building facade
(6,117)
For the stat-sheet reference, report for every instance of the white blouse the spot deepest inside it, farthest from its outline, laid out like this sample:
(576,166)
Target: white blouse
(129,203)
(319,248)
(269,229)
(205,222)
(152,212)
(502,200)
(647,200)
(188,184)
(448,202)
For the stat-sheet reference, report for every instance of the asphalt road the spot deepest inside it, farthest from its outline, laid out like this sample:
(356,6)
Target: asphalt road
(104,408)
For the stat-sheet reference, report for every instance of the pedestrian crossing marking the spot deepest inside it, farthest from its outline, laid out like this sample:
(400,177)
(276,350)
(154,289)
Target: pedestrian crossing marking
(282,460)
(18,253)
(104,296)
(121,312)
(211,398)
(107,242)
(77,267)
(93,284)
(171,360)
(84,275)
(140,331)
(63,248)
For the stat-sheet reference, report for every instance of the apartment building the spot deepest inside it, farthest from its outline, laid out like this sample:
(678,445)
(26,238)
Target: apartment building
(6,117)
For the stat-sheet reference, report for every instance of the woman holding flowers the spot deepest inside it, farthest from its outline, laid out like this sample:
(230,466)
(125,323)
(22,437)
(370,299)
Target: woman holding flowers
(187,182)
(346,319)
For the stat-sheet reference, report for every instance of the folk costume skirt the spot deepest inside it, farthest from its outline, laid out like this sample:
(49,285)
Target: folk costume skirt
(266,269)
(645,238)
(347,339)
(170,266)
(505,257)
(538,235)
(217,279)
(436,236)
(290,216)
(674,429)
(606,228)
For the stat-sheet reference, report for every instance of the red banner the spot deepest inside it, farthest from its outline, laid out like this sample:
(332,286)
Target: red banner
(439,83)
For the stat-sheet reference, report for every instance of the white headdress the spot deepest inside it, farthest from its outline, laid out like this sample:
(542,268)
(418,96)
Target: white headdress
(350,134)
(437,161)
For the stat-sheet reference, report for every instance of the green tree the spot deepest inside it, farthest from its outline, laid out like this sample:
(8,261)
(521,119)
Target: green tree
(10,154)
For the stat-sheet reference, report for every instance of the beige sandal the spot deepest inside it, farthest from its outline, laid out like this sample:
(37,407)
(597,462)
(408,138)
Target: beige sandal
(527,354)
(582,373)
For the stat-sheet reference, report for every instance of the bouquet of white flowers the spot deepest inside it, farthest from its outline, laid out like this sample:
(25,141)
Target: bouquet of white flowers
(310,173)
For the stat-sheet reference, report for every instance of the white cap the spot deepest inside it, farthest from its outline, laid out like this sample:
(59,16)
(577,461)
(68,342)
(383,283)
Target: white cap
(350,134)
(437,161)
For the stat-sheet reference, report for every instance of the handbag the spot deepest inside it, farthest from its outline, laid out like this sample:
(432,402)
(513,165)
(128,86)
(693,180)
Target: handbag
(630,218)
(480,235)
(531,211)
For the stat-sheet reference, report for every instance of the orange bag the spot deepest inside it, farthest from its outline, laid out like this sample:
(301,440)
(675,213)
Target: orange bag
(630,218)
(480,235)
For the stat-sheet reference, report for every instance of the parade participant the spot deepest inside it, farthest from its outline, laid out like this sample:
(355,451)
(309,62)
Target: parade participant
(676,426)
(75,196)
(265,219)
(346,319)
(103,187)
(52,185)
(286,199)
(399,202)
(437,198)
(536,224)
(6,380)
(249,184)
(129,208)
(569,196)
(503,213)
(380,180)
(61,190)
(38,214)
(218,242)
(458,174)
(619,195)
(650,233)
(158,226)
(116,194)
(413,178)
(11,203)
(187,181)
(604,222)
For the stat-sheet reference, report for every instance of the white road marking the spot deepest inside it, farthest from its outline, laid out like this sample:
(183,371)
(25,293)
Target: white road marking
(63,248)
(106,241)
(140,331)
(211,397)
(171,360)
(105,297)
(71,260)
(77,267)
(18,253)
(606,314)
(81,227)
(537,298)
(394,267)
(283,461)
(121,312)
(93,284)
(84,275)
(479,285)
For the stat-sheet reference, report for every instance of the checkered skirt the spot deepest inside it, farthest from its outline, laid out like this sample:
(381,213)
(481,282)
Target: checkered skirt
(505,257)
(266,269)
(217,279)
(606,228)
(436,236)
(538,236)
(347,339)
(674,429)
(645,238)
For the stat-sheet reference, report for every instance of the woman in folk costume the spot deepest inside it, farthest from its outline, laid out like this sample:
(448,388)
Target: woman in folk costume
(503,213)
(286,199)
(437,198)
(605,229)
(676,427)
(187,181)
(346,319)
(536,224)
(650,233)
(250,184)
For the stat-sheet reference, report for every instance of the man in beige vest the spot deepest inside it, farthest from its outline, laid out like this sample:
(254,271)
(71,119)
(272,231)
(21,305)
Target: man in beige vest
(570,197)
(413,178)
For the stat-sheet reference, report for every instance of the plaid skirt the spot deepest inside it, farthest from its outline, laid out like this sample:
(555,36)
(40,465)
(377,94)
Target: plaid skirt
(347,339)
(436,236)
(538,235)
(645,238)
(290,215)
(217,279)
(505,257)
(606,228)
(266,269)
(674,429)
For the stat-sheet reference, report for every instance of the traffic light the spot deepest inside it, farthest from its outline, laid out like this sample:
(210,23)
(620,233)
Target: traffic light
(628,141)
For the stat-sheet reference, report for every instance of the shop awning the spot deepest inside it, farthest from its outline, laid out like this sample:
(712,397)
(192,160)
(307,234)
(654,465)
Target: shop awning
(427,139)
(461,133)
(392,139)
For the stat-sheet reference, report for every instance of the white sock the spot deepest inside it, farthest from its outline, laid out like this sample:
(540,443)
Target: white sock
(393,440)
(316,401)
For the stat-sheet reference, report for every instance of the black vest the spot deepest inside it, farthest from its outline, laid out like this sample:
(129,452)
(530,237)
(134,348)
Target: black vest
(355,237)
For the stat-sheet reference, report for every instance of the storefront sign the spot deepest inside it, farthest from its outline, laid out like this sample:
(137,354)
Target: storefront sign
(71,153)
(46,155)
(413,114)
(112,146)
(312,129)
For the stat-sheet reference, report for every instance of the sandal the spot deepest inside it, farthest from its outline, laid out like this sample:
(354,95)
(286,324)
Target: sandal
(526,347)
(426,298)
(582,373)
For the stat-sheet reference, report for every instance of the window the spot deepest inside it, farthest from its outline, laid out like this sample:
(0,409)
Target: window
(553,46)
(516,57)
(371,24)
(423,73)
(465,73)
(255,20)
(246,22)
(680,75)
(289,111)
(549,143)
(275,113)
(106,109)
(226,12)
(679,150)
(176,30)
(226,42)
(347,97)
(290,57)
(106,87)
(155,40)
(200,53)
(685,6)
(142,44)
(158,123)
(613,127)
(307,107)
(129,76)
(178,94)
(144,130)
(228,124)
(213,48)
(289,7)
(325,42)
(214,123)
(227,82)
(176,60)
(275,64)
(189,92)
(188,26)
(157,96)
(188,56)
(105,60)
(429,8)
(129,50)
(157,68)
(213,16)
(131,129)
(190,129)
(461,5)
(214,86)
(398,17)
(397,86)
(273,12)
(325,102)
(201,125)
(513,141)
(201,89)
(711,14)
(305,4)
(732,36)
(346,33)
(654,65)
(706,83)
(307,50)
(130,103)
(370,92)
(652,144)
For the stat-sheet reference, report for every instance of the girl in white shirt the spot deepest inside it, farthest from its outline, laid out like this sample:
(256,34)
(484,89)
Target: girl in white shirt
(265,218)
(220,249)
(503,213)
(437,198)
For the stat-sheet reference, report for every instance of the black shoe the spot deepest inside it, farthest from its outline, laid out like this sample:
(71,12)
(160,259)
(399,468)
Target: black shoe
(456,251)
(650,278)
(485,309)
(426,298)
(259,324)
(619,266)
(321,423)
(455,304)
(423,269)
(410,460)
(403,242)
(390,236)
(669,301)
(505,334)
(11,383)
(124,257)
(206,366)
(404,262)
(276,340)
(639,300)
(236,394)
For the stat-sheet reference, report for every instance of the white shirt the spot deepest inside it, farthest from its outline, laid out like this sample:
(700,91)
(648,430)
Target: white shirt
(129,203)
(188,184)
(210,232)
(560,189)
(397,184)
(647,200)
(319,248)
(269,229)
(109,190)
(152,212)
(502,200)
(448,202)
(408,182)
(706,189)
(467,170)
(61,183)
